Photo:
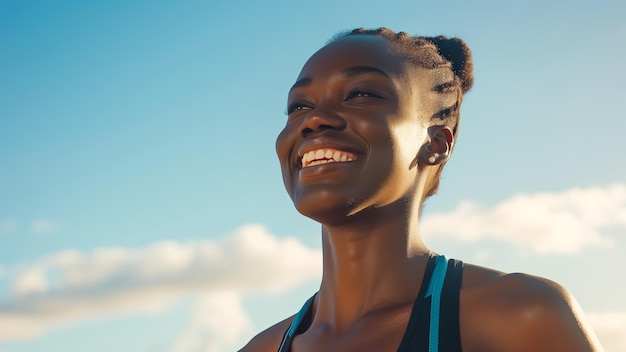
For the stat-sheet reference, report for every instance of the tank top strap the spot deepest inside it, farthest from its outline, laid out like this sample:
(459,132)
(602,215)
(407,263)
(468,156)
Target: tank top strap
(302,315)
(435,287)
(434,322)
(449,325)
(416,333)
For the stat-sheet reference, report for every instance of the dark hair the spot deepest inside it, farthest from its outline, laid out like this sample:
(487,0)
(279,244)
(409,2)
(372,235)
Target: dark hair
(431,53)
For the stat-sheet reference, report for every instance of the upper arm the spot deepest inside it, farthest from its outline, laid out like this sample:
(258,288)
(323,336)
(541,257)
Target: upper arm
(268,340)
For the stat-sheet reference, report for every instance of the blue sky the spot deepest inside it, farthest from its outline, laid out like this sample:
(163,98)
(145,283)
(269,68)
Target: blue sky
(141,202)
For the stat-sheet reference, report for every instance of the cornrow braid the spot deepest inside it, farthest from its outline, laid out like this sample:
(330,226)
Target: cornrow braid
(457,52)
(431,53)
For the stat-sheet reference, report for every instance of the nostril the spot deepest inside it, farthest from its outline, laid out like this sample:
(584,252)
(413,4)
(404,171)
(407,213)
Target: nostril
(315,121)
(306,131)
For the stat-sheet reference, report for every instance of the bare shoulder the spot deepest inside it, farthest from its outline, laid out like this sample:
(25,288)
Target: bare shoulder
(520,312)
(269,339)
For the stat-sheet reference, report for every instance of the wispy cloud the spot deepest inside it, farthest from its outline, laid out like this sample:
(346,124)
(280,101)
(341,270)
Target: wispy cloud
(43,226)
(71,285)
(610,328)
(563,222)
(36,226)
(8,226)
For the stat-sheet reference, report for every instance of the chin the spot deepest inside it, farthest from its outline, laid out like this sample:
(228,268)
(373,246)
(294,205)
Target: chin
(325,207)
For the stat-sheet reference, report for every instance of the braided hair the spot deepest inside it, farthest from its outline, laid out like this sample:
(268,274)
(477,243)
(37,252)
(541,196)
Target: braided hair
(432,53)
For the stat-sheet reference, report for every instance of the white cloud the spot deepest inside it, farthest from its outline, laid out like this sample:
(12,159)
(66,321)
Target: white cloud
(43,226)
(563,222)
(610,328)
(482,255)
(71,285)
(218,320)
(32,280)
(8,226)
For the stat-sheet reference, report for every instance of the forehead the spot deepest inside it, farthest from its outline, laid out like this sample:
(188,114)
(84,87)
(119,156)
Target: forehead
(418,84)
(354,51)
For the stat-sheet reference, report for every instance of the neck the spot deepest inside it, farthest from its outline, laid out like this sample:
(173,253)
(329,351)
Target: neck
(375,256)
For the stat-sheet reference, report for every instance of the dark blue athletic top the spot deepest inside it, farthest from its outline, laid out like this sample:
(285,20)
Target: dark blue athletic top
(434,322)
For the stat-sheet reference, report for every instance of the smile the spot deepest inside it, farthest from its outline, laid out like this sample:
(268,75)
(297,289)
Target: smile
(324,156)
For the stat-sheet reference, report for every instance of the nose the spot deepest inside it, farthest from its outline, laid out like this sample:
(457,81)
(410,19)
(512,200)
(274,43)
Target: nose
(317,120)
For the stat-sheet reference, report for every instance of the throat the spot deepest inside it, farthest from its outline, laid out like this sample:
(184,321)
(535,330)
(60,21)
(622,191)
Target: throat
(353,290)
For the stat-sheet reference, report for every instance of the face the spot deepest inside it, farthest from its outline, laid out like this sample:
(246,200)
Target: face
(357,116)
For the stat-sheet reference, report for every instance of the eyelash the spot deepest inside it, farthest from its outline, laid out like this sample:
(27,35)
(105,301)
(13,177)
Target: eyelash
(296,106)
(356,93)
(362,93)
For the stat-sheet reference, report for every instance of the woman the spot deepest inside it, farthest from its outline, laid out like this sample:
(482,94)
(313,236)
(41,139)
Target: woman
(372,119)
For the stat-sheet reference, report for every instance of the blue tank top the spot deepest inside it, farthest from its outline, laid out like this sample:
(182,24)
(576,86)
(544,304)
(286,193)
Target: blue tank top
(434,322)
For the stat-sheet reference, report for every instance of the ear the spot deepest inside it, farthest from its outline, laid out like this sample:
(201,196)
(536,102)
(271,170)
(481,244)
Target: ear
(439,146)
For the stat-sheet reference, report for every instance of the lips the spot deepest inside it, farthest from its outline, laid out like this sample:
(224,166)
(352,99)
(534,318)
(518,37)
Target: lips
(326,155)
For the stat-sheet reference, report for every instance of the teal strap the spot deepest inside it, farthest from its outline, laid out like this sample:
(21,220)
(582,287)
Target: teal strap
(434,288)
(295,323)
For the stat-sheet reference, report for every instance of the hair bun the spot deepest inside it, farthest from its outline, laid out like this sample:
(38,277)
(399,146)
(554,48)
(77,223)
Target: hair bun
(458,53)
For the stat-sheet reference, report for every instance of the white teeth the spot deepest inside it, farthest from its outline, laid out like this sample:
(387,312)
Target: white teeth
(323,156)
(318,162)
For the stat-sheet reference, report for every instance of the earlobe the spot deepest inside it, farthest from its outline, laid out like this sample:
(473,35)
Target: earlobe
(437,150)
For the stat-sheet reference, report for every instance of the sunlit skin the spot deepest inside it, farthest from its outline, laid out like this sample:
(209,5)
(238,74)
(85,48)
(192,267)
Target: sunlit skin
(357,98)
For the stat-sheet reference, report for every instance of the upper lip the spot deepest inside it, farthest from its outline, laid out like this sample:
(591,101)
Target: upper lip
(318,143)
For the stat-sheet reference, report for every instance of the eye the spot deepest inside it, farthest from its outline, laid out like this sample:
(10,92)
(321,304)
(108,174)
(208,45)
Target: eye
(297,106)
(362,93)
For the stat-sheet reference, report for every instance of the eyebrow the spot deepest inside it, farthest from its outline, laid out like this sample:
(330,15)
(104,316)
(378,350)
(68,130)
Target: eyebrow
(360,70)
(301,83)
(349,72)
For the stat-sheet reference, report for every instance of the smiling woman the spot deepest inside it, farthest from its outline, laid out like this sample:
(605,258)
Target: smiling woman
(372,119)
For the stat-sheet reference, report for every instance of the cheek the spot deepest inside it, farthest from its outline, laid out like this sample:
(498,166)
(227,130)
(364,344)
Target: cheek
(399,135)
(284,143)
(409,137)
(284,147)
